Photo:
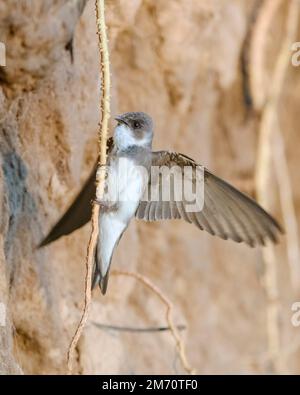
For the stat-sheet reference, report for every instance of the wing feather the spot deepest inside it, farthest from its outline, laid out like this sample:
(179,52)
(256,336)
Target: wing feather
(80,211)
(227,212)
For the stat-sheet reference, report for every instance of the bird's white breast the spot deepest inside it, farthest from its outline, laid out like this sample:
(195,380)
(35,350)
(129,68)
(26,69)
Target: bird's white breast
(125,185)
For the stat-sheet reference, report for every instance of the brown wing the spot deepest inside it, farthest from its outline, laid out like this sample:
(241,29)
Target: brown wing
(80,211)
(226,212)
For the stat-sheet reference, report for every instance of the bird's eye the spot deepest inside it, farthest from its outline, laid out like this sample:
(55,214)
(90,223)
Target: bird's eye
(136,124)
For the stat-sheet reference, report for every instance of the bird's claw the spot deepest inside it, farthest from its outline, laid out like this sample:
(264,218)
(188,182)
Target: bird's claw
(106,206)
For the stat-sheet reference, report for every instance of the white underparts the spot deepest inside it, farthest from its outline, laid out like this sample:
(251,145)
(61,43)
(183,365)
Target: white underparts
(131,185)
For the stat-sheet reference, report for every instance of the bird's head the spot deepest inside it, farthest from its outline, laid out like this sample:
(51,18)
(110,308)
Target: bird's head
(133,129)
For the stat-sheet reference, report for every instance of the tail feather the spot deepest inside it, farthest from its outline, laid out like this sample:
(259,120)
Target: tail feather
(103,283)
(95,276)
(78,214)
(98,278)
(103,258)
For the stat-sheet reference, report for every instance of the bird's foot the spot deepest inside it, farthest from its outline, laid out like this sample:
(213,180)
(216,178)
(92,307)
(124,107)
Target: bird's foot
(107,206)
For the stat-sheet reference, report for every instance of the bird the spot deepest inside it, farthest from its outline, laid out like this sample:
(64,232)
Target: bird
(223,211)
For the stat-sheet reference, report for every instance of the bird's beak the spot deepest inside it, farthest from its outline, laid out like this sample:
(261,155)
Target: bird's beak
(119,119)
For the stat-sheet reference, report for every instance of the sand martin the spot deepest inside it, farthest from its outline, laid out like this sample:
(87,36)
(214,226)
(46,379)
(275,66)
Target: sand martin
(222,211)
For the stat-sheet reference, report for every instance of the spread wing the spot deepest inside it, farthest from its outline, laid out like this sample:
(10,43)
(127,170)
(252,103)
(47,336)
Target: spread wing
(226,212)
(80,211)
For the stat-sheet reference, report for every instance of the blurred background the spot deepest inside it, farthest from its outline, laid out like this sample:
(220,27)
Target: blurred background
(221,80)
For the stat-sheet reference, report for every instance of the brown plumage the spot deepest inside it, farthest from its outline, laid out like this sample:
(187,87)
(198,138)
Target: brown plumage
(227,212)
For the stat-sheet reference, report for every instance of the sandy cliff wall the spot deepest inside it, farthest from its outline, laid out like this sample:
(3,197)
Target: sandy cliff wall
(180,61)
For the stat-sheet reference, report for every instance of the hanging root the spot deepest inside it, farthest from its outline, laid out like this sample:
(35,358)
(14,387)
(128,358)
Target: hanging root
(257,51)
(288,207)
(266,149)
(169,309)
(103,131)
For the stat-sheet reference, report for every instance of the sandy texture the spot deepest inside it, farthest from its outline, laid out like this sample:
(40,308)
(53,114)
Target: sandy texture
(180,61)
